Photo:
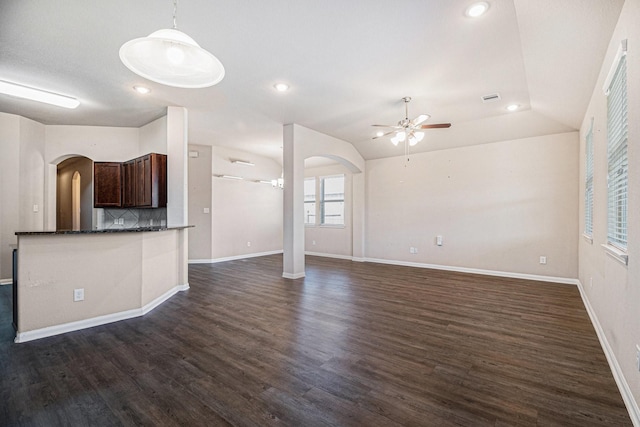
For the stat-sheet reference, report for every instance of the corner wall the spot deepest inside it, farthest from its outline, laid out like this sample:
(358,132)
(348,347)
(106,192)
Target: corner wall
(611,289)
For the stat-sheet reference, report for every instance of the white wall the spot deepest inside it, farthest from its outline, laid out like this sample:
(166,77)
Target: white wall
(611,288)
(244,211)
(498,206)
(153,137)
(9,190)
(99,143)
(331,240)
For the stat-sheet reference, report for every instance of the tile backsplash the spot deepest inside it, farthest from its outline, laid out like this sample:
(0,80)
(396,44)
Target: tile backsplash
(108,218)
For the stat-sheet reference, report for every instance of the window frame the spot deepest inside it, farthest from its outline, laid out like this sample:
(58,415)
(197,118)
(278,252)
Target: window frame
(588,185)
(616,91)
(313,202)
(323,202)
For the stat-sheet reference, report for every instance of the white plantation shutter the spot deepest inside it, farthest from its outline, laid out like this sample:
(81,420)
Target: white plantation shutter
(588,191)
(617,156)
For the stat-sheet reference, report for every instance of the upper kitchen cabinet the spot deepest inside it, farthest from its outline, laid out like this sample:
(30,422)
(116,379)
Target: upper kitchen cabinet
(107,184)
(150,181)
(129,184)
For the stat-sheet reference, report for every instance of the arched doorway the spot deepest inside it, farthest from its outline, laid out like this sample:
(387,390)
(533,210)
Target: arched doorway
(75,200)
(74,194)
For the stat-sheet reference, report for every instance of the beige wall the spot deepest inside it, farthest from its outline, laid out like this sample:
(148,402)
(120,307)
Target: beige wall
(498,207)
(331,240)
(199,200)
(613,289)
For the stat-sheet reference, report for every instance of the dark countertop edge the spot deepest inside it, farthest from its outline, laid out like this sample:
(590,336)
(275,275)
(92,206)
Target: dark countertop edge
(103,231)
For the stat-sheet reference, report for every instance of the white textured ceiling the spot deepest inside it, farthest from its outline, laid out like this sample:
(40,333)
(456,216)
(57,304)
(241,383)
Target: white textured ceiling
(349,63)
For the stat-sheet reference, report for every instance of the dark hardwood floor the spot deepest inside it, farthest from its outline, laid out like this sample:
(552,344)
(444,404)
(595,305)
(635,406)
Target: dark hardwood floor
(352,344)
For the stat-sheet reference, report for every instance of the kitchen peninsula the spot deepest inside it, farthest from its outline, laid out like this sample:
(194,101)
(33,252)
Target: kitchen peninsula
(71,280)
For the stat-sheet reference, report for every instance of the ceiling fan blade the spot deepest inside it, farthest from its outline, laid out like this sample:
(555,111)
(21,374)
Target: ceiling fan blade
(421,118)
(383,135)
(435,126)
(388,126)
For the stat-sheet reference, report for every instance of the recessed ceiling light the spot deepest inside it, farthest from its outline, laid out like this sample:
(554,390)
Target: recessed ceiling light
(513,107)
(142,89)
(281,87)
(39,95)
(477,9)
(379,133)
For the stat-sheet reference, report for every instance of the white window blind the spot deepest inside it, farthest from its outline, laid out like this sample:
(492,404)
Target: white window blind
(588,186)
(332,200)
(310,201)
(617,156)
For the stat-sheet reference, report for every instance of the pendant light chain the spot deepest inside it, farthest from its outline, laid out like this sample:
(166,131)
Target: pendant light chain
(175,12)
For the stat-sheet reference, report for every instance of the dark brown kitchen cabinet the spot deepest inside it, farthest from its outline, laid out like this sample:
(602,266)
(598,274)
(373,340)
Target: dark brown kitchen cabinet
(129,184)
(107,184)
(144,182)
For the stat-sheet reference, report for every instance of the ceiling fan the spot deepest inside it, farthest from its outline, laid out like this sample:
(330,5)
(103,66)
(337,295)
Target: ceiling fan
(410,130)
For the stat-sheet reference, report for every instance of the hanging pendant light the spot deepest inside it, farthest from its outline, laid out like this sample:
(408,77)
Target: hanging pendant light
(172,58)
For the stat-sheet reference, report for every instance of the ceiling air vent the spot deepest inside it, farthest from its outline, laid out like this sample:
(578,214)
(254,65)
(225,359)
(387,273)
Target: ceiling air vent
(491,98)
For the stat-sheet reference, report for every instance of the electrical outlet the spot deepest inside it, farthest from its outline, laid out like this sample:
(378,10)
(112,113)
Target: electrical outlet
(313,242)
(439,240)
(115,221)
(248,244)
(78,295)
(543,260)
(121,221)
(413,250)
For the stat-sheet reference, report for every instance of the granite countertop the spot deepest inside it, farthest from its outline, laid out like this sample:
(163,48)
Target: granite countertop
(103,231)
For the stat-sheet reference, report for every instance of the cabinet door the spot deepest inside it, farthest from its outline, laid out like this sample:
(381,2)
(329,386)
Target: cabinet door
(107,185)
(143,181)
(129,184)
(151,181)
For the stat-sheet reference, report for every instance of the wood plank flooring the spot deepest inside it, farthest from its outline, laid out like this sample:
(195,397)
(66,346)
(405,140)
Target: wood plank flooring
(351,344)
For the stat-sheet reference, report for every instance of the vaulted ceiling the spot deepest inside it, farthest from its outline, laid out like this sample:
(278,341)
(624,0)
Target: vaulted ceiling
(348,62)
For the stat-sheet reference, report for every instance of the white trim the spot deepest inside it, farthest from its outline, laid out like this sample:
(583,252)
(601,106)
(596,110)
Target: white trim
(233,258)
(6,282)
(347,257)
(622,51)
(615,253)
(97,321)
(587,238)
(293,276)
(563,280)
(618,376)
(358,259)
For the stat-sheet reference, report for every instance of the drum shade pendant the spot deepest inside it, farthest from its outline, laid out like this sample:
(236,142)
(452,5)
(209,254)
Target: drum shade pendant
(172,58)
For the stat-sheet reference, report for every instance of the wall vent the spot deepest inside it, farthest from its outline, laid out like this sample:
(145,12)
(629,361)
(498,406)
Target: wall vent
(491,98)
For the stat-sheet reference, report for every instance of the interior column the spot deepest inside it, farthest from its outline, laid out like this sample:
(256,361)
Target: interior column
(293,230)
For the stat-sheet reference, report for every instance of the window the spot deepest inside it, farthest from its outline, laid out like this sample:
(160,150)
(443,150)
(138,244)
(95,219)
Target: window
(617,154)
(332,200)
(588,185)
(310,201)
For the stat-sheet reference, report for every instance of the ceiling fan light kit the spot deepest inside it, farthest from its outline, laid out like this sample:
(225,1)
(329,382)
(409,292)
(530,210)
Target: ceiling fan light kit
(409,130)
(172,58)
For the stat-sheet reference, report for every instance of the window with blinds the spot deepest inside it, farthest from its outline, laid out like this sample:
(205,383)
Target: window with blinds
(332,200)
(310,201)
(617,156)
(588,185)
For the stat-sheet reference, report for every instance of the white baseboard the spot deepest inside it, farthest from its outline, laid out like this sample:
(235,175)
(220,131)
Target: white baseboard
(512,275)
(97,321)
(6,282)
(293,276)
(233,258)
(347,257)
(623,386)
